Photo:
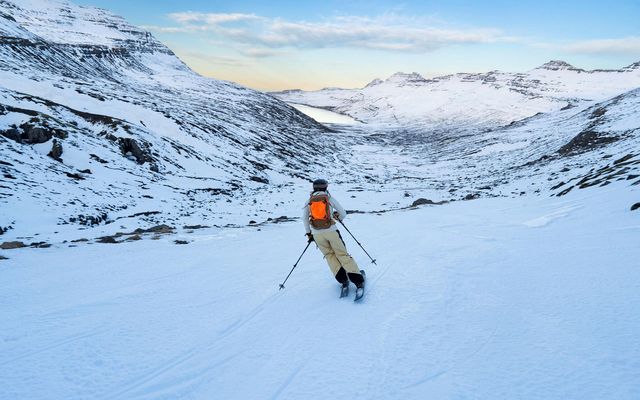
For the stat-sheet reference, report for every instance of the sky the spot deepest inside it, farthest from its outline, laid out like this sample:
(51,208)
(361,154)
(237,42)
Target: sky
(277,45)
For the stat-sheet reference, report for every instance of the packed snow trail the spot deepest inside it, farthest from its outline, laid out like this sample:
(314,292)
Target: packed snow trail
(521,298)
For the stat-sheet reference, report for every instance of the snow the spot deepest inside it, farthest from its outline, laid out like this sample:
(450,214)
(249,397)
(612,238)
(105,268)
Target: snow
(467,100)
(81,25)
(466,301)
(527,292)
(500,147)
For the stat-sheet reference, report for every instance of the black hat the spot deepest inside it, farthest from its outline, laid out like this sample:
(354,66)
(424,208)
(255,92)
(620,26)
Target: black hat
(320,184)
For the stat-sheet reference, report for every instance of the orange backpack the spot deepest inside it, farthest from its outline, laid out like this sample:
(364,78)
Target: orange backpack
(320,211)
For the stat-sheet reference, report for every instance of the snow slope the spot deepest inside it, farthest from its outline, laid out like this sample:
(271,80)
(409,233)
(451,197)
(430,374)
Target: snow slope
(511,298)
(466,100)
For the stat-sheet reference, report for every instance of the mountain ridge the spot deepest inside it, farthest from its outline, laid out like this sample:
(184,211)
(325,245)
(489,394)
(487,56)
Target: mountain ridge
(459,99)
(151,120)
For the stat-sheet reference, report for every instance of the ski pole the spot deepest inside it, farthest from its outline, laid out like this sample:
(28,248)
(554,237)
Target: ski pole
(354,238)
(294,266)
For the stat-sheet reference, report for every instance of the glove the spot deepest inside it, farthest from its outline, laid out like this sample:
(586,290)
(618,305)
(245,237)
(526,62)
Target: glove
(309,237)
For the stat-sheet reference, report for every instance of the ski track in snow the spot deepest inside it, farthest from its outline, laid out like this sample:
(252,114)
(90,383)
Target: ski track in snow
(462,304)
(545,220)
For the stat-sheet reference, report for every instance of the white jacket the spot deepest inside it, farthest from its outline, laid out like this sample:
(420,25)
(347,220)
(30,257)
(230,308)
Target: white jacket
(334,206)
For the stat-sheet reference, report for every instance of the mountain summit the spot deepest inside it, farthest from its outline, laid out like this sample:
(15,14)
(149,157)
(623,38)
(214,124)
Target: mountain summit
(401,78)
(558,65)
(470,100)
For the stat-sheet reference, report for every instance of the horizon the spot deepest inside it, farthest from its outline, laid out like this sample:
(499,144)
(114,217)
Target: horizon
(310,46)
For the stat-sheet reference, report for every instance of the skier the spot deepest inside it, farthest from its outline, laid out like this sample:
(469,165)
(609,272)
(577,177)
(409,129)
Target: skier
(319,215)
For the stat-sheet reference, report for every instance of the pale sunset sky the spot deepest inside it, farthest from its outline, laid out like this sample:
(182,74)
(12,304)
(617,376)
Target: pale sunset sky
(275,45)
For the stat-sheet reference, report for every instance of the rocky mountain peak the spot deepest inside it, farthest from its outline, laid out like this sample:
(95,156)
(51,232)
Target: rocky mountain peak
(62,22)
(558,65)
(402,78)
(634,66)
(374,82)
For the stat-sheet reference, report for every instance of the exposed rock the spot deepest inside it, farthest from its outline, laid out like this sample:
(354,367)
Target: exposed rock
(38,135)
(144,213)
(635,206)
(278,220)
(195,226)
(12,245)
(89,220)
(30,134)
(134,238)
(80,240)
(260,180)
(598,112)
(421,201)
(75,176)
(139,152)
(3,257)
(40,245)
(472,196)
(3,229)
(180,242)
(12,134)
(85,171)
(565,191)
(98,159)
(623,159)
(56,150)
(585,141)
(160,229)
(106,239)
(558,65)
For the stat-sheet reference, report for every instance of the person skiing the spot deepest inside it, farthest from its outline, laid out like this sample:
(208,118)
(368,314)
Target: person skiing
(319,217)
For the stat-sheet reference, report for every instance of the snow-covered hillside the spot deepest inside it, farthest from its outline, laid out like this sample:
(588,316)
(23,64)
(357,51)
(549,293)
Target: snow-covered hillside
(469,100)
(109,132)
(139,133)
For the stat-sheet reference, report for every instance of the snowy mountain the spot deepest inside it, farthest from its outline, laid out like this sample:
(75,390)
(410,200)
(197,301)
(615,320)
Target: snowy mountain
(100,122)
(107,130)
(464,100)
(148,214)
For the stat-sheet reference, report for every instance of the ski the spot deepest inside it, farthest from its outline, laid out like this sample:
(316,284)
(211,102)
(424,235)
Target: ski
(344,291)
(360,290)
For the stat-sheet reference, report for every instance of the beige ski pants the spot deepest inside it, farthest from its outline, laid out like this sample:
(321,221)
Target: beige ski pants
(331,245)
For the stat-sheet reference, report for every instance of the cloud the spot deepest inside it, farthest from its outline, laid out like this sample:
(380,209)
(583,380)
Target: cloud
(622,46)
(190,17)
(217,60)
(258,36)
(261,52)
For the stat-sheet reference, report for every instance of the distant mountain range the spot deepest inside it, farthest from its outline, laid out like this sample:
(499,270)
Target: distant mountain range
(103,128)
(470,100)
